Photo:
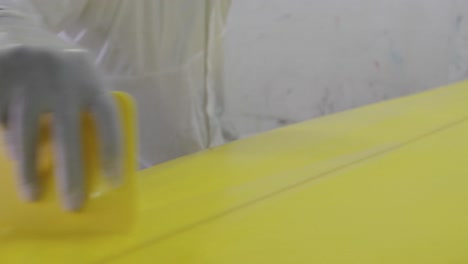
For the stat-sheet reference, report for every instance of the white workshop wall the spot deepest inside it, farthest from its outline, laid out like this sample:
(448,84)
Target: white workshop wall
(292,60)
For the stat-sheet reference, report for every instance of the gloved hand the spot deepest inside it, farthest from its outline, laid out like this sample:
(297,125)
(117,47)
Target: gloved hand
(35,81)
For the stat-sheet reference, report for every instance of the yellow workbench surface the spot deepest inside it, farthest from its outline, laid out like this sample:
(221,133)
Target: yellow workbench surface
(387,183)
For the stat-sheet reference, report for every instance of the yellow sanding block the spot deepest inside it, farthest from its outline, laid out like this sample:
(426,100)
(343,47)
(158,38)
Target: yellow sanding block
(107,209)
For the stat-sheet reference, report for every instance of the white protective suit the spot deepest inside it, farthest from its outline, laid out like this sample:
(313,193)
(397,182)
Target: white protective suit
(166,53)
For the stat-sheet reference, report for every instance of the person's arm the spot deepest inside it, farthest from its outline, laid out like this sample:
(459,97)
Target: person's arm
(39,74)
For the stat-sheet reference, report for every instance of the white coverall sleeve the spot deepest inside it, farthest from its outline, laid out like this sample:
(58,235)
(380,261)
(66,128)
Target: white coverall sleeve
(168,54)
(22,24)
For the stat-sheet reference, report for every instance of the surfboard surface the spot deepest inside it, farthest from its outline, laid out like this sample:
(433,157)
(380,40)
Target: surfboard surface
(386,183)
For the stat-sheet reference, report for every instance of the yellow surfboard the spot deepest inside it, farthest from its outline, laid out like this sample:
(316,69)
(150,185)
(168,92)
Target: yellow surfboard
(385,183)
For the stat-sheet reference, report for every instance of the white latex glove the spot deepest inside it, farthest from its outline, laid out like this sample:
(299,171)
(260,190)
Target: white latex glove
(36,80)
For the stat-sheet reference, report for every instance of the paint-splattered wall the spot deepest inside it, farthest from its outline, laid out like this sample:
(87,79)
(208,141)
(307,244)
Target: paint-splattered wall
(292,60)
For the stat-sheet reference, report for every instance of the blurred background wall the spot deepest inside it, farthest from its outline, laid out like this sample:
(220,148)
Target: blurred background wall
(293,60)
